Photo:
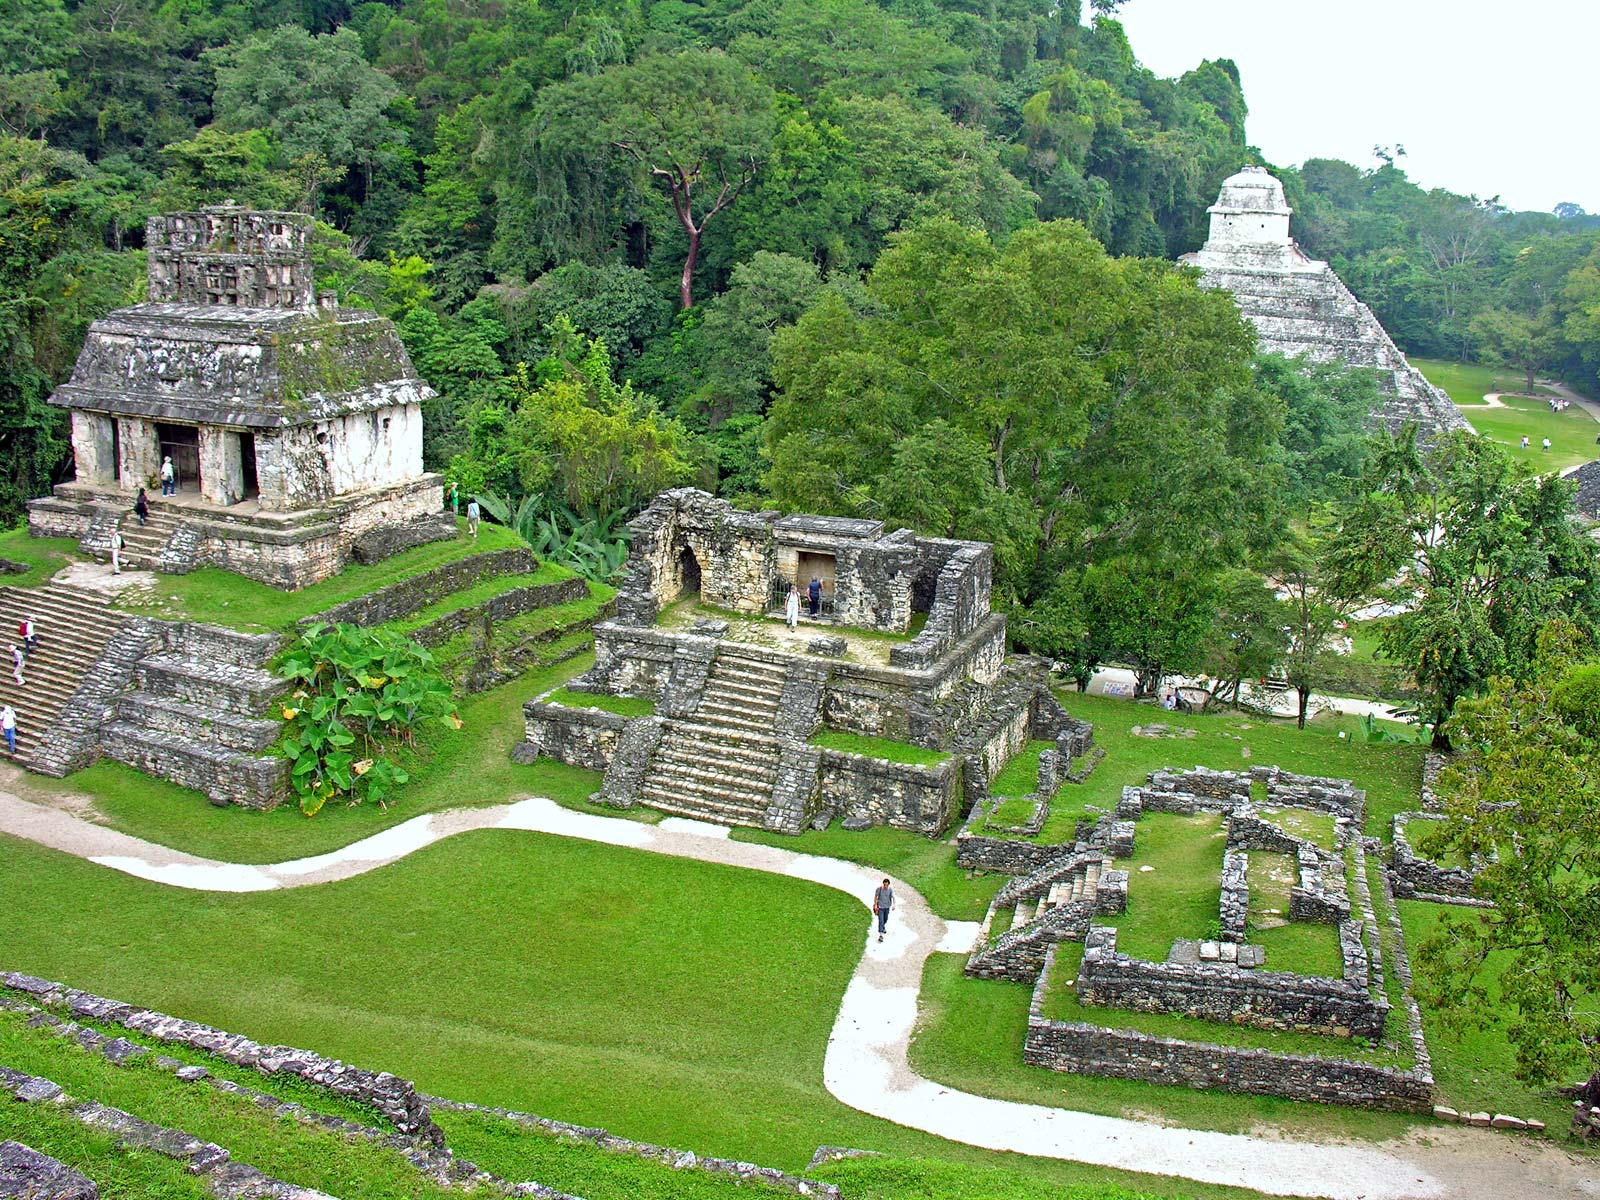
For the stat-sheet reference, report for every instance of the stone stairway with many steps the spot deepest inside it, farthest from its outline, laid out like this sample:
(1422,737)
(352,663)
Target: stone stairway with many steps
(73,626)
(197,716)
(1055,903)
(142,544)
(721,763)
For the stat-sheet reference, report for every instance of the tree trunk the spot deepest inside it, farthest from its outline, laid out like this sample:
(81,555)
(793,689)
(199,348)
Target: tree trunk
(1441,739)
(686,285)
(1305,702)
(1528,371)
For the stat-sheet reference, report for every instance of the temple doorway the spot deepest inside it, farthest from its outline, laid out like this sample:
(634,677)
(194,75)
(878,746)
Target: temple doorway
(181,443)
(688,574)
(247,466)
(822,567)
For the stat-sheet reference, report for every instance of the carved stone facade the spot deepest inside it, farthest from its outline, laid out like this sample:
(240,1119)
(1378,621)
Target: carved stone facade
(293,426)
(1299,306)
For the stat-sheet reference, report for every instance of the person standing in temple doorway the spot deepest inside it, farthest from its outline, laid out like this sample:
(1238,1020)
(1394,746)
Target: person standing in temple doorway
(814,594)
(169,477)
(882,905)
(791,607)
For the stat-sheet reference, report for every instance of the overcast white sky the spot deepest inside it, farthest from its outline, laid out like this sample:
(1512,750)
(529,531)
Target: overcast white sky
(1487,97)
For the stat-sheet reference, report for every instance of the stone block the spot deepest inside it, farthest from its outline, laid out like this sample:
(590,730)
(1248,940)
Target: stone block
(828,647)
(1502,1121)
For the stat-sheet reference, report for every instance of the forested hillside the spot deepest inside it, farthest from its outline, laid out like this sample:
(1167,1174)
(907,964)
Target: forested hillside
(1455,277)
(495,166)
(905,259)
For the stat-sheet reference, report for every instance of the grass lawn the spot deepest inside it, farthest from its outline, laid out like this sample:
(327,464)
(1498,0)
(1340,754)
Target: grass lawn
(469,766)
(970,1034)
(1472,1067)
(222,598)
(288,1150)
(481,592)
(927,865)
(1572,433)
(682,1003)
(1391,774)
(623,706)
(1469,383)
(877,747)
(1021,775)
(1314,827)
(1180,895)
(44,556)
(1304,947)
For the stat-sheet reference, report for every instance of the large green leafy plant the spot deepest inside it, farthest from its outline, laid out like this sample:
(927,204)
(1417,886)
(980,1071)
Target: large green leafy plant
(362,692)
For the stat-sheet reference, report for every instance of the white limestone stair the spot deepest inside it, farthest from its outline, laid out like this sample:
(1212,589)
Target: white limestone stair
(721,763)
(74,626)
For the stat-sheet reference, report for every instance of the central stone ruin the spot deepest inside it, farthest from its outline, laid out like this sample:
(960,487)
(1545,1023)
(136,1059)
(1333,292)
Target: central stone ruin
(699,636)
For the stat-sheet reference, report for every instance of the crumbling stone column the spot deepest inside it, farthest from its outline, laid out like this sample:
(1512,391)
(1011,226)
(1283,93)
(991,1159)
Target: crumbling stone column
(94,447)
(140,450)
(221,466)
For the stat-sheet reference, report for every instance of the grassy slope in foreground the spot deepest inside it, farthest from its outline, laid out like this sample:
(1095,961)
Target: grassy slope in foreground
(670,1001)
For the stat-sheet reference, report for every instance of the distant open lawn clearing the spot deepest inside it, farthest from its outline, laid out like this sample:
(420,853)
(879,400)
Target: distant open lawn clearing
(1469,383)
(1572,432)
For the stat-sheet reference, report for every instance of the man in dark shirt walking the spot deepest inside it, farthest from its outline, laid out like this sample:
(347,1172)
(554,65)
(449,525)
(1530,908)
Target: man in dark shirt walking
(882,902)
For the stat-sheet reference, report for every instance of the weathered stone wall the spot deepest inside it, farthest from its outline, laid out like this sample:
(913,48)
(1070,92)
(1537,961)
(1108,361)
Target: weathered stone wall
(960,605)
(401,599)
(1124,1054)
(630,661)
(1235,903)
(503,607)
(1224,992)
(923,800)
(1337,796)
(307,465)
(1415,876)
(385,541)
(395,1098)
(579,737)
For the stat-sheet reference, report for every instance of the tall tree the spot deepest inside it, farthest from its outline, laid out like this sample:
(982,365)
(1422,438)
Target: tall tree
(695,125)
(1480,553)
(1523,805)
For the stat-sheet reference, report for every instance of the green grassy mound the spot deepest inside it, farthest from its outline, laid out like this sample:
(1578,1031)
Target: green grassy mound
(44,556)
(222,598)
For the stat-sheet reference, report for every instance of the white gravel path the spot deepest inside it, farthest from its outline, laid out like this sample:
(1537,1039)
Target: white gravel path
(867,1065)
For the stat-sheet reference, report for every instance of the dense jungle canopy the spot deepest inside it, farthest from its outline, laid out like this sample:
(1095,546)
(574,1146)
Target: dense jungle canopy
(901,258)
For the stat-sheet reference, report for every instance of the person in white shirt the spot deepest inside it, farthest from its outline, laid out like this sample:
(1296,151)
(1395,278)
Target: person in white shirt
(8,724)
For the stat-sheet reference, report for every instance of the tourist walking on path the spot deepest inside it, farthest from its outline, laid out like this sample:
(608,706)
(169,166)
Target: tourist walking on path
(1525,442)
(141,507)
(1547,445)
(473,515)
(16,666)
(116,552)
(882,905)
(8,724)
(29,633)
(452,497)
(169,477)
(791,607)
(814,594)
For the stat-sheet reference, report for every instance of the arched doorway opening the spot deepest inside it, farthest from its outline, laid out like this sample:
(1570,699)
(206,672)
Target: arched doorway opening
(688,574)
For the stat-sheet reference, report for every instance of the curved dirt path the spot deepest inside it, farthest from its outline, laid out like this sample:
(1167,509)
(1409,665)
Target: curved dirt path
(867,1064)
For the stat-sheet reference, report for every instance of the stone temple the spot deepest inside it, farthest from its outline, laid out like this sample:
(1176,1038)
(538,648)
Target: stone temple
(294,425)
(1300,307)
(906,660)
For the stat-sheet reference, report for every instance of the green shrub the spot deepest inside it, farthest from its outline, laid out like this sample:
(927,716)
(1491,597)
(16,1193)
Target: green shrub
(362,691)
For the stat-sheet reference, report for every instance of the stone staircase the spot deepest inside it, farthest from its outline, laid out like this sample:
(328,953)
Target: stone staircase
(195,716)
(721,762)
(142,544)
(1054,903)
(73,626)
